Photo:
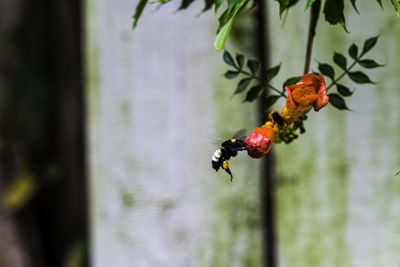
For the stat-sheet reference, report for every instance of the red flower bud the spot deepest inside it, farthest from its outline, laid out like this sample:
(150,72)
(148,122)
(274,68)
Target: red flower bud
(259,142)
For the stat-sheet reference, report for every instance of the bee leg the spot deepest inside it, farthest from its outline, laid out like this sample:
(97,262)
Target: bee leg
(225,166)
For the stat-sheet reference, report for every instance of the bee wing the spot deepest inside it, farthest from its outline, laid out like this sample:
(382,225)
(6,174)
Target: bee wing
(237,135)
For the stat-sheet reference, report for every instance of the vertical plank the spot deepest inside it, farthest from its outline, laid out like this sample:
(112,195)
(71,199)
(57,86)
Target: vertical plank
(338,199)
(156,99)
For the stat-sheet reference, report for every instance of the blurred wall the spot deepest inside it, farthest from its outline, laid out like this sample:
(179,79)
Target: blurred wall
(338,201)
(156,100)
(158,108)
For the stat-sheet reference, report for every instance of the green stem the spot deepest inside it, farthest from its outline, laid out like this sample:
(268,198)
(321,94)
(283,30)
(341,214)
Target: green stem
(341,75)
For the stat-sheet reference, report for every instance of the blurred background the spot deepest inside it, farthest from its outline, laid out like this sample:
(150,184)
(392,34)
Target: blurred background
(106,138)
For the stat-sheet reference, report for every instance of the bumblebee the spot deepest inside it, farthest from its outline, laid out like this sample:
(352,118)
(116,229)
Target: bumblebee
(228,149)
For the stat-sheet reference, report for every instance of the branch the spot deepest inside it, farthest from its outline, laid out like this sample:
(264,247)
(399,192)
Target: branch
(315,8)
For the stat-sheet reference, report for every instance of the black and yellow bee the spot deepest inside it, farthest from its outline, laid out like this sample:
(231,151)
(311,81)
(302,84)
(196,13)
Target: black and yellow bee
(228,149)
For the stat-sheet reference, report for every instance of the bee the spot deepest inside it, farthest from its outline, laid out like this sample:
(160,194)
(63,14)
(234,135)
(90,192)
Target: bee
(229,148)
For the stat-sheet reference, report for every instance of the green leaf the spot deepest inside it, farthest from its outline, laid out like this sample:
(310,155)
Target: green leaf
(228,59)
(340,60)
(272,72)
(242,85)
(208,4)
(333,11)
(254,92)
(217,4)
(369,44)
(230,74)
(359,77)
(138,12)
(240,60)
(369,64)
(353,51)
(353,3)
(292,3)
(327,70)
(270,100)
(226,22)
(395,4)
(397,173)
(309,3)
(343,90)
(222,35)
(233,3)
(223,19)
(253,65)
(291,81)
(185,4)
(283,4)
(380,3)
(337,101)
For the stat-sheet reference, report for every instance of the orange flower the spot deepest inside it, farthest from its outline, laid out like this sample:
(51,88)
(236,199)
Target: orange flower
(259,142)
(310,93)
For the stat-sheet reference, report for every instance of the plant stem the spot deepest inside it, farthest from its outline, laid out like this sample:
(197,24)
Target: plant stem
(261,80)
(341,75)
(315,8)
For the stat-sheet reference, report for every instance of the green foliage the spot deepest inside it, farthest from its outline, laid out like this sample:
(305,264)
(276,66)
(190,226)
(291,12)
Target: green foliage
(226,22)
(218,3)
(272,72)
(185,4)
(208,4)
(340,60)
(240,60)
(253,67)
(242,85)
(283,4)
(395,4)
(333,11)
(254,92)
(327,70)
(230,74)
(343,90)
(353,51)
(359,77)
(369,44)
(337,101)
(369,64)
(228,59)
(139,10)
(353,3)
(309,3)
